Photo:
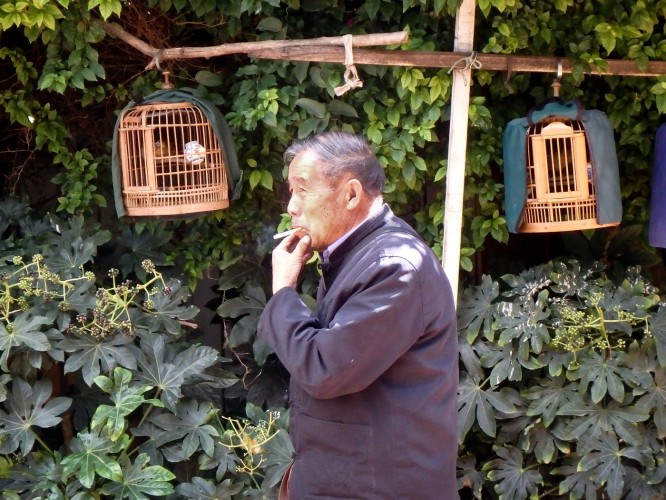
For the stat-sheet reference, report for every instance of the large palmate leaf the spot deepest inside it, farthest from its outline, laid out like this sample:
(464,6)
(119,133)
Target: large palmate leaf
(654,402)
(605,373)
(512,477)
(148,243)
(471,354)
(75,245)
(190,424)
(93,454)
(277,456)
(24,331)
(478,405)
(594,420)
(140,481)
(469,476)
(95,355)
(547,396)
(524,321)
(637,485)
(506,363)
(167,371)
(169,308)
(604,459)
(248,307)
(126,399)
(578,484)
(543,443)
(657,325)
(477,310)
(200,489)
(27,407)
(529,283)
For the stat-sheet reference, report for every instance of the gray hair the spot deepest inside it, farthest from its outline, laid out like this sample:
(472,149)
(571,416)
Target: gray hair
(342,153)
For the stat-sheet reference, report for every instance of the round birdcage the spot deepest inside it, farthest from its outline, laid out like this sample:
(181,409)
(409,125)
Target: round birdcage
(172,163)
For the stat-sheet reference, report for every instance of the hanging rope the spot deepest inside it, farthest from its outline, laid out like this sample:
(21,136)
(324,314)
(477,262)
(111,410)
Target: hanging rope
(351,75)
(469,62)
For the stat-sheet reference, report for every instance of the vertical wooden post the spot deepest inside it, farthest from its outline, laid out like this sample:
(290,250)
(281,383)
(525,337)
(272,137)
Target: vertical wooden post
(455,174)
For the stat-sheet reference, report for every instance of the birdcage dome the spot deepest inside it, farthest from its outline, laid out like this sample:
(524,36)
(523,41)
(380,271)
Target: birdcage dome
(554,171)
(172,161)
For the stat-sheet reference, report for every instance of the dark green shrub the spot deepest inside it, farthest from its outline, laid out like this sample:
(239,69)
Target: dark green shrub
(563,385)
(104,392)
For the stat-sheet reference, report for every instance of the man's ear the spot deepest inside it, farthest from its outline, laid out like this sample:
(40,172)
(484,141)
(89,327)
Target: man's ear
(353,194)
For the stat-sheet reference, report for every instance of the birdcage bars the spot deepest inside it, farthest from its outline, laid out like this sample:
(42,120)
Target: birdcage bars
(172,163)
(560,179)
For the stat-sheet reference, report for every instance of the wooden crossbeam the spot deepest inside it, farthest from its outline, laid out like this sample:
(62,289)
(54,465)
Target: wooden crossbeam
(434,59)
(331,49)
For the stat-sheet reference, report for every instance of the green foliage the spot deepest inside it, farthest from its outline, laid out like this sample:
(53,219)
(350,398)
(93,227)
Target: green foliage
(64,80)
(106,362)
(561,381)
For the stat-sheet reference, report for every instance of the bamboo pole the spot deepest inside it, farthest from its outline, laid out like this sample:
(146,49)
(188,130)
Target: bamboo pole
(455,170)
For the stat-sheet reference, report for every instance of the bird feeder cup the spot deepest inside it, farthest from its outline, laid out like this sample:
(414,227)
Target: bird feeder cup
(171,161)
(560,179)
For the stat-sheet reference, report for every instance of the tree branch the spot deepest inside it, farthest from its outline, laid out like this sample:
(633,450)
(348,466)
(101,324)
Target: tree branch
(159,55)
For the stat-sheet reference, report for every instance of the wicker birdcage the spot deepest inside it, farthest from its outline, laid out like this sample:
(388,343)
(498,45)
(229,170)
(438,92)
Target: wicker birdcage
(560,179)
(171,161)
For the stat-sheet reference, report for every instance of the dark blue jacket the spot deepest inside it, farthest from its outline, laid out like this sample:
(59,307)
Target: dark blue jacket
(374,371)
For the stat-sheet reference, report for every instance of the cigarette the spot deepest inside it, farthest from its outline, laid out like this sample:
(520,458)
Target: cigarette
(284,234)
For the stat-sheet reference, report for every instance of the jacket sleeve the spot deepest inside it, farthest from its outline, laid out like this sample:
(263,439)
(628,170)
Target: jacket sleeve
(381,318)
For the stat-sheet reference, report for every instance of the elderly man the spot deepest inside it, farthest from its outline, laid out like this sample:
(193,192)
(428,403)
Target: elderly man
(374,369)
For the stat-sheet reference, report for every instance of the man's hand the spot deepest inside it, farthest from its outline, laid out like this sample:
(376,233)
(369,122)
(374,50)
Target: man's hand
(289,257)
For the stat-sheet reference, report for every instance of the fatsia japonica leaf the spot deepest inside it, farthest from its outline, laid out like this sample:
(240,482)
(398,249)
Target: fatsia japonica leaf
(507,364)
(604,459)
(167,370)
(578,484)
(126,399)
(140,481)
(95,355)
(654,402)
(471,355)
(28,406)
(24,331)
(169,308)
(524,321)
(94,454)
(476,311)
(201,489)
(637,485)
(277,454)
(478,405)
(594,420)
(605,373)
(529,283)
(543,443)
(512,477)
(657,325)
(190,424)
(469,476)
(547,396)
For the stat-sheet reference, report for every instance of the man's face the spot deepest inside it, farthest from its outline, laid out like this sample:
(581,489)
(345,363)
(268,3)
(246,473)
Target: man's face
(315,206)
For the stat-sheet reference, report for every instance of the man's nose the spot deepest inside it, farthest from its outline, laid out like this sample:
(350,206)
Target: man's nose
(292,206)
